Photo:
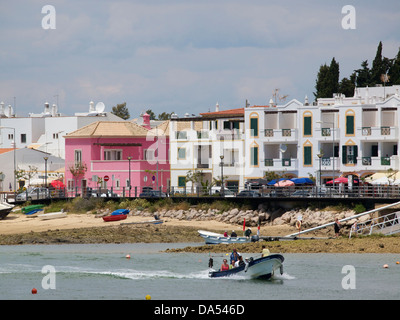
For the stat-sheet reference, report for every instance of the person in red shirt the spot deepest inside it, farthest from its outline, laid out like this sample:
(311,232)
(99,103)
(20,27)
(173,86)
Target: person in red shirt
(225,265)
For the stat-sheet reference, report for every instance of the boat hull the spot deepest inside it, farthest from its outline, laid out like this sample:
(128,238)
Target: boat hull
(216,238)
(52,215)
(114,218)
(5,209)
(261,268)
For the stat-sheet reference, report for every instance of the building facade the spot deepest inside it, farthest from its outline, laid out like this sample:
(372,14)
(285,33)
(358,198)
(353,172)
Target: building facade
(339,136)
(116,155)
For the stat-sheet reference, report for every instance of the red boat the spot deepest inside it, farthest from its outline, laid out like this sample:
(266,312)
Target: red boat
(115,218)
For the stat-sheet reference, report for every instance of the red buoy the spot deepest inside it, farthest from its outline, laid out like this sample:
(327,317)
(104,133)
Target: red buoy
(34,291)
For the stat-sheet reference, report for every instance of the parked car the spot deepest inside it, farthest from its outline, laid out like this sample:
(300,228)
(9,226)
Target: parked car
(102,193)
(217,191)
(33,194)
(326,192)
(301,193)
(248,193)
(152,194)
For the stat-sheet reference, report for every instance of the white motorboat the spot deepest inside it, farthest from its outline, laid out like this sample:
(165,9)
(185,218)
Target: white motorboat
(217,238)
(5,209)
(261,268)
(52,215)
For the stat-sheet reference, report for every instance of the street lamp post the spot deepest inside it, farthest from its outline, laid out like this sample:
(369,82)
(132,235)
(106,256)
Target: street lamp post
(222,175)
(45,171)
(130,187)
(320,155)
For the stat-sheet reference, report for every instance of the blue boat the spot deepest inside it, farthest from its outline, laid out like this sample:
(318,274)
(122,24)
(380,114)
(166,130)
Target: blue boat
(261,268)
(119,211)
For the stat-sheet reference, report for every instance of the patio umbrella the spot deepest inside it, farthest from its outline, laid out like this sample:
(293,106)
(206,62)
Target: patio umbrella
(382,181)
(302,181)
(339,180)
(57,184)
(284,183)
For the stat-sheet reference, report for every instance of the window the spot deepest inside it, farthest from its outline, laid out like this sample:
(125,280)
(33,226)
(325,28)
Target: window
(254,156)
(307,123)
(149,154)
(349,154)
(307,129)
(181,153)
(350,119)
(182,181)
(254,125)
(307,156)
(23,137)
(78,156)
(112,154)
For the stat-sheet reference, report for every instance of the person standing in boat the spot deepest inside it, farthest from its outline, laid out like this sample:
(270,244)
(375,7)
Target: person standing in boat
(233,234)
(234,256)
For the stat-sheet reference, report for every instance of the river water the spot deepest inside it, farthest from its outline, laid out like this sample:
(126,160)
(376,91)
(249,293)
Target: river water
(102,271)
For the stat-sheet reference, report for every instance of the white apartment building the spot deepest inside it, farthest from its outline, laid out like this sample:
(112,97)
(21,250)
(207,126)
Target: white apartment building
(45,131)
(202,143)
(338,136)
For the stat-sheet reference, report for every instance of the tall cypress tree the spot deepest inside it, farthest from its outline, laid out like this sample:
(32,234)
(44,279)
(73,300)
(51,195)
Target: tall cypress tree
(327,82)
(378,67)
(394,71)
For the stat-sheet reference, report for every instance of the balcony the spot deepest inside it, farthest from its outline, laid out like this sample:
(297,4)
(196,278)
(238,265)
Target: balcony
(280,164)
(274,135)
(328,133)
(233,134)
(377,133)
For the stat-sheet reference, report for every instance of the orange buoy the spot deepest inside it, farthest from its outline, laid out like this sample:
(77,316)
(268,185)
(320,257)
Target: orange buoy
(34,291)
(397,262)
(386,266)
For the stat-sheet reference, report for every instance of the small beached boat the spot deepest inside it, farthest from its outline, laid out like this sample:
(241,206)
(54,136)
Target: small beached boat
(144,222)
(28,209)
(216,238)
(114,217)
(261,268)
(5,209)
(52,215)
(33,213)
(120,211)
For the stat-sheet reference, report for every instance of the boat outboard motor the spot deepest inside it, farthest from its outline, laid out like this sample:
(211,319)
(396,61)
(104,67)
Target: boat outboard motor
(210,263)
(254,238)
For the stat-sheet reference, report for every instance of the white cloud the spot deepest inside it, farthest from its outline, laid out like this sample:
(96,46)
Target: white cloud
(181,54)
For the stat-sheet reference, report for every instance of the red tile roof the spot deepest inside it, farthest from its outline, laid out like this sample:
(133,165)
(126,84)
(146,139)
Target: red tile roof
(224,113)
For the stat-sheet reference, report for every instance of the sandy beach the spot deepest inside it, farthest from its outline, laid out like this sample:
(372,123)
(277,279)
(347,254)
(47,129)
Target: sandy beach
(86,228)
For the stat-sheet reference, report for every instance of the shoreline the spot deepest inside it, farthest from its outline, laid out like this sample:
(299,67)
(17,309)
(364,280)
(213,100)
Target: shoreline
(16,229)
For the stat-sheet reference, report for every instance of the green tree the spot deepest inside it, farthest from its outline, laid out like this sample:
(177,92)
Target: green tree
(378,67)
(151,114)
(394,71)
(346,86)
(363,75)
(121,111)
(327,82)
(164,116)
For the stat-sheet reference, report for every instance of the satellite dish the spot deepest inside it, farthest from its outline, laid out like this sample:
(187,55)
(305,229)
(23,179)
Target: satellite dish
(283,148)
(100,107)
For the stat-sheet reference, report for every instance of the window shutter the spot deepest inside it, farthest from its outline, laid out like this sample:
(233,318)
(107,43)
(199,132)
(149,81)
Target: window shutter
(307,156)
(307,126)
(355,154)
(254,156)
(254,127)
(344,154)
(349,124)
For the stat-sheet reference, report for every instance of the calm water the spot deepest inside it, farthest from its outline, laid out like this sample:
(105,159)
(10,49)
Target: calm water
(102,272)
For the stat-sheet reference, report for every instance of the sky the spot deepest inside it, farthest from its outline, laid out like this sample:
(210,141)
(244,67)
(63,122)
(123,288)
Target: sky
(181,55)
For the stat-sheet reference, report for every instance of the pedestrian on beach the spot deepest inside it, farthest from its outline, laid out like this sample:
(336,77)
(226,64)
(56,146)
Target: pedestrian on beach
(337,227)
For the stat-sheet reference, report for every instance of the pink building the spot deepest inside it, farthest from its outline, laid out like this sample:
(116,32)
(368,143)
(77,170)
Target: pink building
(112,154)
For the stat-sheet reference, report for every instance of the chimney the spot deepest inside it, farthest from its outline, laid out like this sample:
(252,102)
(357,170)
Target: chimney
(146,121)
(217,107)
